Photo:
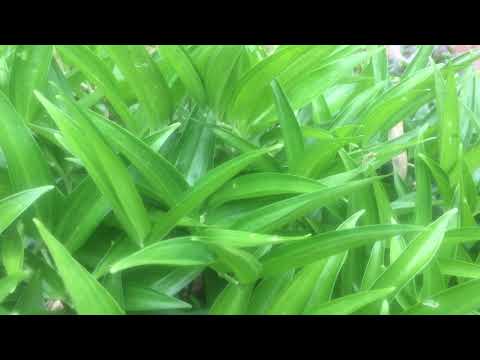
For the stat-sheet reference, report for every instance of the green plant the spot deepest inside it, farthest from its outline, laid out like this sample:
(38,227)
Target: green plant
(228,180)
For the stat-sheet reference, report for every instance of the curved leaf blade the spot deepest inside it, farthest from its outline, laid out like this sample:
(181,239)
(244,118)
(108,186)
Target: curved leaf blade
(88,296)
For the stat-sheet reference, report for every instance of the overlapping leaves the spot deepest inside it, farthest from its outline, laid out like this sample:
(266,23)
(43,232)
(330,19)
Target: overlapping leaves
(222,180)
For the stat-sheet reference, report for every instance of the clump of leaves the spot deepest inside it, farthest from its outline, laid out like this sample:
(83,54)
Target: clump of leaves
(235,180)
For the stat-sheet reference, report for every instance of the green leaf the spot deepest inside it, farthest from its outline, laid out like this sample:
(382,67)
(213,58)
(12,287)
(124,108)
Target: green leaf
(30,301)
(459,268)
(304,80)
(273,216)
(13,251)
(173,252)
(292,135)
(27,167)
(13,206)
(162,177)
(463,235)
(202,190)
(457,300)
(441,178)
(418,254)
(85,208)
(146,80)
(380,65)
(304,252)
(220,75)
(87,295)
(376,261)
(98,73)
(196,148)
(233,300)
(309,85)
(156,140)
(176,280)
(267,291)
(245,266)
(119,249)
(181,62)
(106,169)
(349,304)
(420,60)
(113,283)
(264,184)
(423,199)
(320,111)
(9,283)
(242,239)
(29,73)
(310,283)
(405,98)
(449,129)
(265,163)
(350,113)
(260,77)
(144,299)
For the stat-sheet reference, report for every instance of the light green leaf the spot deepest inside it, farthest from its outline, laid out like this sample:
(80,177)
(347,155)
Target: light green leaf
(146,80)
(420,60)
(233,300)
(449,129)
(181,62)
(459,268)
(29,73)
(292,135)
(158,172)
(349,304)
(174,252)
(9,283)
(87,295)
(13,206)
(245,266)
(203,189)
(418,254)
(457,300)
(267,291)
(242,239)
(312,282)
(144,299)
(304,252)
(99,74)
(85,208)
(273,216)
(106,169)
(27,167)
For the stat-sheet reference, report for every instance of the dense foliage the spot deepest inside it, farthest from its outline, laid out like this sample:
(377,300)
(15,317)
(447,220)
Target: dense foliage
(228,180)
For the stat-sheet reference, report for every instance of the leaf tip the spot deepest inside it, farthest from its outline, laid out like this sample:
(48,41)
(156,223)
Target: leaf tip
(37,223)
